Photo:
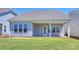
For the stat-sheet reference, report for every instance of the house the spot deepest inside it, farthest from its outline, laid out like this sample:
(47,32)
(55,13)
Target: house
(74,23)
(5,14)
(39,23)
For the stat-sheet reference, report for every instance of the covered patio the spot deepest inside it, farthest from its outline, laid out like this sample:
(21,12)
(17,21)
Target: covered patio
(54,28)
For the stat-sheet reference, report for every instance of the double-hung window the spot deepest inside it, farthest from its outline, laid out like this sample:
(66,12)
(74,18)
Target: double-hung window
(25,28)
(58,29)
(53,29)
(20,28)
(4,28)
(15,28)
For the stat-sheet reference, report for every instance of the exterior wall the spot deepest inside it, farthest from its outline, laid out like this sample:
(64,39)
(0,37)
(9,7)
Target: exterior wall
(29,29)
(4,22)
(74,28)
(74,24)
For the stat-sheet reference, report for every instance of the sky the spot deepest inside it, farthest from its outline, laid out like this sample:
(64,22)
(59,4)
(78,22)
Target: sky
(23,10)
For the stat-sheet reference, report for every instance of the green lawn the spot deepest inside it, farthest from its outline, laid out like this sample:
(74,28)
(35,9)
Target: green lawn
(39,43)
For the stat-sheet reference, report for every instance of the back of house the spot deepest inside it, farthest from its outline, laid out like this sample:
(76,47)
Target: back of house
(39,23)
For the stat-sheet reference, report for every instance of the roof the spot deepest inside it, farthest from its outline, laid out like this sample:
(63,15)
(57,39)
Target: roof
(4,11)
(74,14)
(41,15)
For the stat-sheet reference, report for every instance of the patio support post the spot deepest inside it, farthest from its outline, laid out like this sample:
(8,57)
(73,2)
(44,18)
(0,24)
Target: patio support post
(32,29)
(69,31)
(9,33)
(50,29)
(9,29)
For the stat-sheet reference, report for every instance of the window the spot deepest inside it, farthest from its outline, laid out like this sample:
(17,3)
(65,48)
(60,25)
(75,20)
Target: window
(44,30)
(25,27)
(53,29)
(4,28)
(15,28)
(48,30)
(56,29)
(20,28)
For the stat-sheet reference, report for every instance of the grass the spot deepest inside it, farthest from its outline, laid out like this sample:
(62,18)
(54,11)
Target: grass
(39,43)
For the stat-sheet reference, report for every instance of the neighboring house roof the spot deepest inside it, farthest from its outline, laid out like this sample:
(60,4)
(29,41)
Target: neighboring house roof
(74,13)
(4,11)
(1,14)
(41,15)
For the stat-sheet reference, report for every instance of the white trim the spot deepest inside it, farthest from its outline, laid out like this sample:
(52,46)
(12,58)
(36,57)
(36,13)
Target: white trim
(32,28)
(9,29)
(50,29)
(46,22)
(22,28)
(17,28)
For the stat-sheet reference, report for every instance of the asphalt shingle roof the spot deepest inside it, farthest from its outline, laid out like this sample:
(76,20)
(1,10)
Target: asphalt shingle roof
(41,15)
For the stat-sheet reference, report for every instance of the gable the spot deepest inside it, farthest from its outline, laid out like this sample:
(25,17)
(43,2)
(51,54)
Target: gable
(2,14)
(6,17)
